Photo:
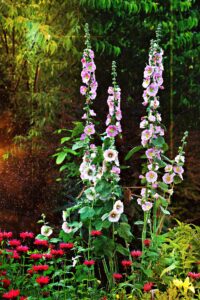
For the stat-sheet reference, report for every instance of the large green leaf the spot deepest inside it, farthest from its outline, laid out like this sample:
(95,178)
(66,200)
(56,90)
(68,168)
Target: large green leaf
(132,151)
(124,231)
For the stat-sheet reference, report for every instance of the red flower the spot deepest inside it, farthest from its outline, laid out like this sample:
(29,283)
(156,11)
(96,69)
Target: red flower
(22,249)
(36,256)
(136,253)
(16,255)
(14,243)
(23,298)
(25,235)
(194,275)
(89,263)
(41,243)
(96,233)
(66,245)
(47,255)
(6,235)
(117,276)
(12,294)
(3,273)
(147,242)
(6,282)
(58,252)
(126,263)
(43,280)
(40,268)
(147,286)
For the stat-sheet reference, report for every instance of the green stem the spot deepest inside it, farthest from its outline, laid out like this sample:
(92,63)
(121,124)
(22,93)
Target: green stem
(144,230)
(154,217)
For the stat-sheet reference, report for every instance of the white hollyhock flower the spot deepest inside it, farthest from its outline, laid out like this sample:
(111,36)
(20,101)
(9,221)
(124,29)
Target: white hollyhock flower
(114,216)
(64,215)
(46,230)
(66,228)
(119,207)
(90,193)
(110,155)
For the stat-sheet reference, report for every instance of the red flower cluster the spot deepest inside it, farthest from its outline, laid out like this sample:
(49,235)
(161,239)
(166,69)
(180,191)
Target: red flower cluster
(22,249)
(36,256)
(147,242)
(39,268)
(6,235)
(41,243)
(126,263)
(6,282)
(147,287)
(12,294)
(58,252)
(194,275)
(26,235)
(14,243)
(136,253)
(89,263)
(96,233)
(117,276)
(43,280)
(66,245)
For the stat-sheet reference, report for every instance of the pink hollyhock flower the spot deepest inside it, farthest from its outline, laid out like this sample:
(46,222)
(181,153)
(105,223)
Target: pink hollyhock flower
(154,104)
(146,82)
(152,118)
(89,129)
(118,114)
(126,263)
(89,263)
(85,76)
(96,232)
(92,113)
(147,206)
(152,89)
(66,245)
(136,253)
(151,176)
(83,136)
(147,287)
(115,170)
(93,95)
(83,60)
(112,130)
(90,67)
(158,78)
(150,153)
(14,243)
(168,178)
(178,169)
(159,130)
(110,90)
(93,86)
(83,90)
(148,71)
(168,168)
(146,134)
(139,201)
(117,276)
(43,280)
(144,124)
(158,58)
(91,53)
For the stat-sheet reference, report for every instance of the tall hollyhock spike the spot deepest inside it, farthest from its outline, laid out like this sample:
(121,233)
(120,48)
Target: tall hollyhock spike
(88,89)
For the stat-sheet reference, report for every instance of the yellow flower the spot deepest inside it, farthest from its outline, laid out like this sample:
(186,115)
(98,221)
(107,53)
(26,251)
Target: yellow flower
(186,285)
(117,296)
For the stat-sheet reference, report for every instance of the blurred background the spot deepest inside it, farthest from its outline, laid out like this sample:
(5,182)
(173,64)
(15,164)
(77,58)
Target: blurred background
(41,44)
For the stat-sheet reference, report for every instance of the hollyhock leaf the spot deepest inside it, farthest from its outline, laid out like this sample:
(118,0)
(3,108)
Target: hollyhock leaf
(124,231)
(165,211)
(177,180)
(65,139)
(132,151)
(160,162)
(163,186)
(122,250)
(86,212)
(41,237)
(78,129)
(55,240)
(103,188)
(139,223)
(61,157)
(105,216)
(79,145)
(159,142)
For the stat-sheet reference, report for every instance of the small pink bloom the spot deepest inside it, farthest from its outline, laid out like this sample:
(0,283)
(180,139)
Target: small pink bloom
(168,178)
(89,129)
(152,89)
(147,206)
(151,176)
(112,131)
